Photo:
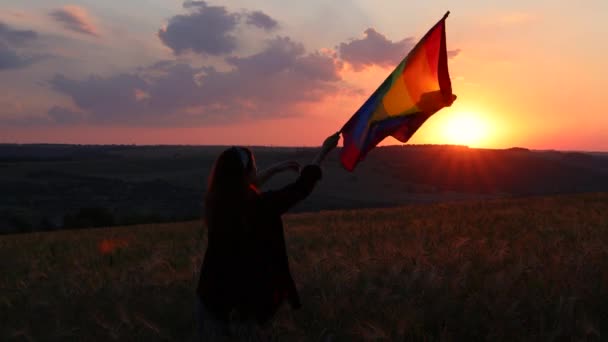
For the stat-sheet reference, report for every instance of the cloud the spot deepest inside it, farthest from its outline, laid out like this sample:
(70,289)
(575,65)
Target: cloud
(63,115)
(11,59)
(374,49)
(268,84)
(15,37)
(261,20)
(107,99)
(205,30)
(280,54)
(11,41)
(209,30)
(75,18)
(453,53)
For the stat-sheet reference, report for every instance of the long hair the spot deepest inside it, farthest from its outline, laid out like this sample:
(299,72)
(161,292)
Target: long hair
(228,189)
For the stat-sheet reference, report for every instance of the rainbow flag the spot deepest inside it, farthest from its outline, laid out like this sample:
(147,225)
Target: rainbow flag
(415,90)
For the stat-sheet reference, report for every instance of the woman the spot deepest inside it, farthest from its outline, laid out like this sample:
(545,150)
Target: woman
(245,274)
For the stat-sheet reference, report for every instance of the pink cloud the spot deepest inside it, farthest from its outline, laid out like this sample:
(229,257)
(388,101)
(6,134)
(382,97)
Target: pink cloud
(268,84)
(376,49)
(75,18)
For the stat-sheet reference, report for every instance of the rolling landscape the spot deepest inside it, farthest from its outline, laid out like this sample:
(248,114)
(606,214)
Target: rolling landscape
(49,187)
(429,243)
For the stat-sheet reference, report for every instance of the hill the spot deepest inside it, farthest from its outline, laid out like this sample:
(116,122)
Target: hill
(47,187)
(500,270)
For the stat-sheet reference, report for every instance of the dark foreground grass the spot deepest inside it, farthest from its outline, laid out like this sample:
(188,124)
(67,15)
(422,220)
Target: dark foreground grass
(501,270)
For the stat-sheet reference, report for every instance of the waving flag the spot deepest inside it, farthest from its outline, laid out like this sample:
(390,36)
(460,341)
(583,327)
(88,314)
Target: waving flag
(415,90)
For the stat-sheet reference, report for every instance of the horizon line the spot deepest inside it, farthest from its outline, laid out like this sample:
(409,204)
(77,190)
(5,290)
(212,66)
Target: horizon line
(304,146)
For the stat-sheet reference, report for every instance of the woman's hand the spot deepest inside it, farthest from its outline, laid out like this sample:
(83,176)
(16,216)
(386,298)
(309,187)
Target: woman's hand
(329,144)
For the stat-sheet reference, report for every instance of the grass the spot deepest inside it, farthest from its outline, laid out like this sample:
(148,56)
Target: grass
(501,270)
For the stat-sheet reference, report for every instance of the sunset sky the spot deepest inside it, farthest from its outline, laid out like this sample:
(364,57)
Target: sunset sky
(526,73)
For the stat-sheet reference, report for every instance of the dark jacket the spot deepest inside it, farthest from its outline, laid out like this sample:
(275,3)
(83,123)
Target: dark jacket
(246,275)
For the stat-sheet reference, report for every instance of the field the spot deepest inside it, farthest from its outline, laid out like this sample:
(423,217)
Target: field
(499,270)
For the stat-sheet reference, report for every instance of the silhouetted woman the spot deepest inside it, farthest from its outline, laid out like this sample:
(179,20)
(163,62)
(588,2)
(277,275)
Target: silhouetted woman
(245,274)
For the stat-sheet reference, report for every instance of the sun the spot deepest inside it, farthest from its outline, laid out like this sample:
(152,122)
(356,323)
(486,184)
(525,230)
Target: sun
(465,128)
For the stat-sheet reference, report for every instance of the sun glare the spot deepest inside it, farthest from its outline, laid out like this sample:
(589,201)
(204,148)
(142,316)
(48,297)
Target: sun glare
(465,129)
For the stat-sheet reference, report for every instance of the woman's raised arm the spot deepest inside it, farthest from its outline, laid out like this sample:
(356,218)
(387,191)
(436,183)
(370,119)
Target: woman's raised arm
(264,175)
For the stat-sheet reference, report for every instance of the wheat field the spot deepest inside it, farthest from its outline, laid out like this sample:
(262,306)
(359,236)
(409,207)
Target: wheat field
(524,269)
